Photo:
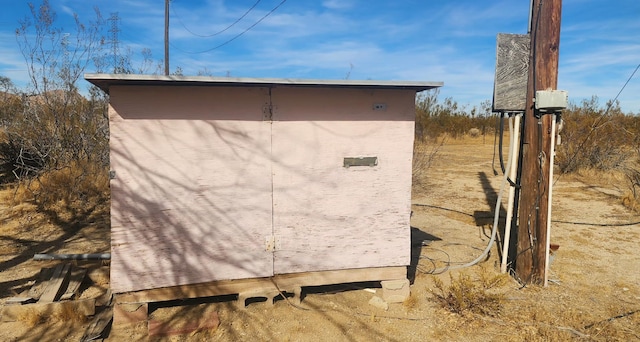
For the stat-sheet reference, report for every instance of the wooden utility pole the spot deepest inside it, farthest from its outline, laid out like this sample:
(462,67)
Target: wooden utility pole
(536,149)
(166,37)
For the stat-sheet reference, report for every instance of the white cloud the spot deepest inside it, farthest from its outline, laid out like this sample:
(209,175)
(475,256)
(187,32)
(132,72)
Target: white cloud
(12,64)
(338,4)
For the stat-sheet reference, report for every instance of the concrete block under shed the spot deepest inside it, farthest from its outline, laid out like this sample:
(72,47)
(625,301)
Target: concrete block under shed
(130,312)
(395,291)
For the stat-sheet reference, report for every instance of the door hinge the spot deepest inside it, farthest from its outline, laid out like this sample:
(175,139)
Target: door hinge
(270,243)
(267,111)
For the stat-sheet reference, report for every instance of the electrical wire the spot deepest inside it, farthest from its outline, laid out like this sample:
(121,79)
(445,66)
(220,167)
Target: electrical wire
(501,142)
(234,37)
(433,262)
(621,224)
(599,224)
(219,32)
(495,144)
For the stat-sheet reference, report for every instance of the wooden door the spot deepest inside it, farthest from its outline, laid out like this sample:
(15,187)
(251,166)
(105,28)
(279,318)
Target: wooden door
(191,198)
(327,216)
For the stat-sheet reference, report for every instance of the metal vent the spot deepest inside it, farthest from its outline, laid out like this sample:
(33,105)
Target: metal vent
(360,161)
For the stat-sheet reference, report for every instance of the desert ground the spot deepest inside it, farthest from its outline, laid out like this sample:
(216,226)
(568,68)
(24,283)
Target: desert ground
(593,292)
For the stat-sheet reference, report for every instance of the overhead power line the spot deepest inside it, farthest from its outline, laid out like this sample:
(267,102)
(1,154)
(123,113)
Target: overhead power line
(216,33)
(236,36)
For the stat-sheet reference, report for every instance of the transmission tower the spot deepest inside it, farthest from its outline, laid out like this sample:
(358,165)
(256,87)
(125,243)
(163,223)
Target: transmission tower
(114,20)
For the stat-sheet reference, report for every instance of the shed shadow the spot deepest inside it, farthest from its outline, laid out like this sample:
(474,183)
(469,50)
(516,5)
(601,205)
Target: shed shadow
(418,238)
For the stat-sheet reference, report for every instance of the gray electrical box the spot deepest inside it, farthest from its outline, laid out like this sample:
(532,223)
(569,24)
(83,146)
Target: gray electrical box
(551,100)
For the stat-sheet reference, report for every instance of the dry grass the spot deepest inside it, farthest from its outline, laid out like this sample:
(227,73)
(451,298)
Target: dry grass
(71,186)
(61,200)
(478,294)
(424,153)
(592,176)
(63,312)
(630,201)
(66,312)
(410,303)
(99,277)
(31,317)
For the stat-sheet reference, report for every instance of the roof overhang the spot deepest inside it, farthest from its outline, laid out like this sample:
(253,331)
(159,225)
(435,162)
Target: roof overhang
(105,81)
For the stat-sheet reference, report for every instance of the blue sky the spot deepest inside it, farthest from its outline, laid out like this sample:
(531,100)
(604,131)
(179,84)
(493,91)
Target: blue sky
(419,40)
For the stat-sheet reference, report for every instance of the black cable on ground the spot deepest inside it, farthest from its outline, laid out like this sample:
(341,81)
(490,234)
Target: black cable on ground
(554,221)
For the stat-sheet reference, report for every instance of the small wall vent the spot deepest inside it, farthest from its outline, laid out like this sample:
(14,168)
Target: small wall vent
(360,161)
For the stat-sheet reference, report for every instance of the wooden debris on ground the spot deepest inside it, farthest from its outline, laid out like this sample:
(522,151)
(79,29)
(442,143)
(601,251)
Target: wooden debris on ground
(76,277)
(56,287)
(51,286)
(101,322)
(95,330)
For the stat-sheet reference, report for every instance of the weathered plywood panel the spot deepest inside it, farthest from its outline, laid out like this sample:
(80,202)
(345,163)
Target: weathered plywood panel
(512,72)
(326,216)
(191,201)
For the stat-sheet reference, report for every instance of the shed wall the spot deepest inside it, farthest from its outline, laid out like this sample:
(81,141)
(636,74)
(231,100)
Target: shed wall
(204,184)
(192,196)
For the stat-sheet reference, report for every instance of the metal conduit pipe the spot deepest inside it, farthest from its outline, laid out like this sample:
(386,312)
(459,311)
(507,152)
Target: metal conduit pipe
(98,256)
(552,150)
(514,131)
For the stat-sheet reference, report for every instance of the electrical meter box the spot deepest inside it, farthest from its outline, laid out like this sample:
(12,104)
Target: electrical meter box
(551,100)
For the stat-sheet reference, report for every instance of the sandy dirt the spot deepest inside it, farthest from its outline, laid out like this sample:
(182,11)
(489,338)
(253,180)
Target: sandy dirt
(593,294)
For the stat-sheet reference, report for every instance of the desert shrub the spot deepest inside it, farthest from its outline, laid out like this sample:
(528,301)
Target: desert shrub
(595,137)
(54,142)
(56,151)
(472,294)
(69,192)
(435,118)
(602,138)
(631,199)
(424,154)
(10,103)
(18,157)
(54,129)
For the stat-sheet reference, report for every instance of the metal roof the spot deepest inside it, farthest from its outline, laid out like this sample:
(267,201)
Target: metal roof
(104,81)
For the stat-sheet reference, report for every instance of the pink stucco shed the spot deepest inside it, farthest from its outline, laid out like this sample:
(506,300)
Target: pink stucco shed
(224,178)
